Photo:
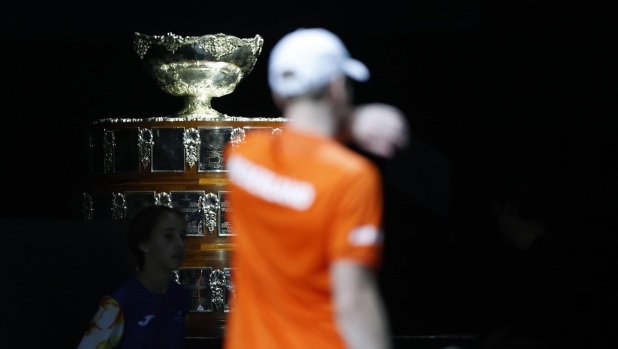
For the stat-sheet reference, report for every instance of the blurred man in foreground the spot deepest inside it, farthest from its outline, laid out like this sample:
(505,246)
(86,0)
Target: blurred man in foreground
(307,212)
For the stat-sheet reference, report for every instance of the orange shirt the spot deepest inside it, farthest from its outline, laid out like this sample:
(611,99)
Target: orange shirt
(299,202)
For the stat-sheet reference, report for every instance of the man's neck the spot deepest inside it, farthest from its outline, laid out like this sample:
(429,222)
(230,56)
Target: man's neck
(313,117)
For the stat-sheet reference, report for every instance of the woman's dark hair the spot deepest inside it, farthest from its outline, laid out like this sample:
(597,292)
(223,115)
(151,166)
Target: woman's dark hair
(141,227)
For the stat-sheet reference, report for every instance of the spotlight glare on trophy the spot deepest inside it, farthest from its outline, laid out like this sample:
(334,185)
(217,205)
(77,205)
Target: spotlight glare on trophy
(197,68)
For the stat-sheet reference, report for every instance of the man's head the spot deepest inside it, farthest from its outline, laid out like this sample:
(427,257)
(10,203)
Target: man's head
(306,62)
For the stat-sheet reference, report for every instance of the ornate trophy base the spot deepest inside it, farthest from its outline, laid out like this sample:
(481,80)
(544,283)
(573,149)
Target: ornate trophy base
(135,163)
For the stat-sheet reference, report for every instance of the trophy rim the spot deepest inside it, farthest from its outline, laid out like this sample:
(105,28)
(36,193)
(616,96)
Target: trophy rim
(172,41)
(189,39)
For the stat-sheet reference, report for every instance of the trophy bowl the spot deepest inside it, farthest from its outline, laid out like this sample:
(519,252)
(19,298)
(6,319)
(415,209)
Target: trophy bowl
(197,67)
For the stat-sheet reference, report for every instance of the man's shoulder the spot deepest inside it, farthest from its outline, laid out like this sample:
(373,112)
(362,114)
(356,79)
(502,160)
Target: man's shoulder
(338,157)
(317,154)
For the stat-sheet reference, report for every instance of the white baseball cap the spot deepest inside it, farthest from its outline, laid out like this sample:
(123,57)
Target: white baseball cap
(308,59)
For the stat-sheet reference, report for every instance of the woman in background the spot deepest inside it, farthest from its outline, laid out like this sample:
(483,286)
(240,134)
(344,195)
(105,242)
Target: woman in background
(149,310)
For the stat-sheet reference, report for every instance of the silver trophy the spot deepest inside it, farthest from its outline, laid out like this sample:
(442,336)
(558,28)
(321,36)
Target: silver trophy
(197,68)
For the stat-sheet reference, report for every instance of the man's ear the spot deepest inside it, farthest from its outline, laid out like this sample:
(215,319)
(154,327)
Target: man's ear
(279,101)
(337,89)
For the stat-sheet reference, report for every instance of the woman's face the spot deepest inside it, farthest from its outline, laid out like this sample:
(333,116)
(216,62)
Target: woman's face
(166,246)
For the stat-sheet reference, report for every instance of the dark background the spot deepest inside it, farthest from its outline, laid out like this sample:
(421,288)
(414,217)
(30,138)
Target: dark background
(472,77)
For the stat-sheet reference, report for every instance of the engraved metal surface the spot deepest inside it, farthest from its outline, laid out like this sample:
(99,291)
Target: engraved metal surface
(225,228)
(163,199)
(238,137)
(108,147)
(217,285)
(211,206)
(126,150)
(136,201)
(87,207)
(145,143)
(118,206)
(211,149)
(197,67)
(249,130)
(197,281)
(192,142)
(229,292)
(192,205)
(168,151)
